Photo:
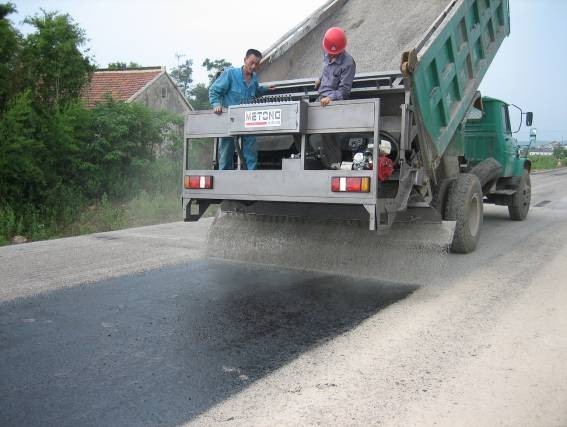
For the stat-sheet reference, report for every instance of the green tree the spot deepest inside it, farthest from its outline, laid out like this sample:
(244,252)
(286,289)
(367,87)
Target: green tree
(22,154)
(215,67)
(559,152)
(55,155)
(199,97)
(199,94)
(123,65)
(123,144)
(183,76)
(55,66)
(41,128)
(10,47)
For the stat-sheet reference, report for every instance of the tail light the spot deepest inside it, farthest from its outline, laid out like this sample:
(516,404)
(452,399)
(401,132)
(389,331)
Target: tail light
(350,185)
(198,182)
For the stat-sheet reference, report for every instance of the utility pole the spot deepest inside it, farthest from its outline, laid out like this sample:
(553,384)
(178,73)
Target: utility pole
(182,87)
(179,56)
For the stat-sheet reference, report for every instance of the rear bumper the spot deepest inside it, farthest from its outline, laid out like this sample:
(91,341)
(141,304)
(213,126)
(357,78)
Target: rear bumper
(303,193)
(301,186)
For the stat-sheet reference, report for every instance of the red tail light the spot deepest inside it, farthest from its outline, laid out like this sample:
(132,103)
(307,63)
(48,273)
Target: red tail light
(350,185)
(354,185)
(336,185)
(198,182)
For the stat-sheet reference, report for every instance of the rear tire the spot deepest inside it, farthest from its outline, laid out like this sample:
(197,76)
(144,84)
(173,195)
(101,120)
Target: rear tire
(519,203)
(464,205)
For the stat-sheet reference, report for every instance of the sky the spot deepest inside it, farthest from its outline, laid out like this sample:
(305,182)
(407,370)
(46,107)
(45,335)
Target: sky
(530,69)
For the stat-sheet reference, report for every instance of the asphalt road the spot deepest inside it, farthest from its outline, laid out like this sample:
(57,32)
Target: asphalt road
(136,328)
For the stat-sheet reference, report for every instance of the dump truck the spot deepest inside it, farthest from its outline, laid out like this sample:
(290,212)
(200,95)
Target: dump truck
(449,150)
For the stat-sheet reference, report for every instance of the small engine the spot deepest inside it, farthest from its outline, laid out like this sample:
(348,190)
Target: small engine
(362,157)
(361,154)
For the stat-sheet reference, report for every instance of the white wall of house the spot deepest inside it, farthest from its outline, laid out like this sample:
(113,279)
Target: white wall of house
(163,95)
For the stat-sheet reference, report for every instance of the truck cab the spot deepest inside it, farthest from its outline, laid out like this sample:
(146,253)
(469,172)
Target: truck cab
(488,133)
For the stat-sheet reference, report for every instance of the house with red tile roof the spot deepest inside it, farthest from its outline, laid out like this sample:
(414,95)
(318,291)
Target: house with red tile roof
(151,86)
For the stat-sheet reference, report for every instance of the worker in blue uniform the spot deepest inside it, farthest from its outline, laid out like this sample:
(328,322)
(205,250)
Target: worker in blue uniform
(237,85)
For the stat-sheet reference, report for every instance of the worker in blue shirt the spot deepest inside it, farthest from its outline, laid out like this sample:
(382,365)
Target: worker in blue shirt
(237,86)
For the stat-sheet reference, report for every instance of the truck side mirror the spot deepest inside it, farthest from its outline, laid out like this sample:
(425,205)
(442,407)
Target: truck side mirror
(529,118)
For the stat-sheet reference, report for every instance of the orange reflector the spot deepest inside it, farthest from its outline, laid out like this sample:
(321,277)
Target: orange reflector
(350,185)
(198,182)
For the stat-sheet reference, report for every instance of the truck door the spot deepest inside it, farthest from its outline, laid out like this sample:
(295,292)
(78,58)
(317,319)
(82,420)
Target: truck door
(510,143)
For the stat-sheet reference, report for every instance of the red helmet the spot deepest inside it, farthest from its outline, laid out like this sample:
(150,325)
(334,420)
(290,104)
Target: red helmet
(334,41)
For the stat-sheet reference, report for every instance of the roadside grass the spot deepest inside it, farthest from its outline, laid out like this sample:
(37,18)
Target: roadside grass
(144,209)
(34,224)
(10,224)
(547,162)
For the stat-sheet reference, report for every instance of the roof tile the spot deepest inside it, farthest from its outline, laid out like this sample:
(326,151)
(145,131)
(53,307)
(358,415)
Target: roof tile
(120,84)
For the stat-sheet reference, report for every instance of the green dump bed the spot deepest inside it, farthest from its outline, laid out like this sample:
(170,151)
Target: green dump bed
(452,44)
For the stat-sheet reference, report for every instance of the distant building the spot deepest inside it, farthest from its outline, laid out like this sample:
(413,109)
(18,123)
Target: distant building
(540,151)
(151,86)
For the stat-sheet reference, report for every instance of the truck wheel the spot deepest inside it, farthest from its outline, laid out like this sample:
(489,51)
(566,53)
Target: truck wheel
(464,205)
(519,202)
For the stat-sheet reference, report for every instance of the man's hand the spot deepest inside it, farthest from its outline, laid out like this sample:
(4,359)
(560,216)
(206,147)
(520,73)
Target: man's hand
(325,101)
(218,109)
(271,87)
(317,84)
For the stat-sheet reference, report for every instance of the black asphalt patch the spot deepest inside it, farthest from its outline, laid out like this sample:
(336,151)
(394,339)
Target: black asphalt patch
(162,347)
(542,203)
